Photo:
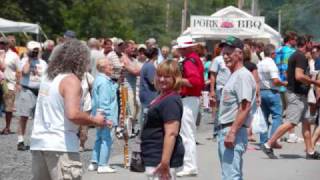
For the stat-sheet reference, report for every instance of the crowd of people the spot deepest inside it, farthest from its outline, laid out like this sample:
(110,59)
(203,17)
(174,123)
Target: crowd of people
(73,85)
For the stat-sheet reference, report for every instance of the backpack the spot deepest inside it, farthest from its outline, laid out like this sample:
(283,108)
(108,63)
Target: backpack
(181,64)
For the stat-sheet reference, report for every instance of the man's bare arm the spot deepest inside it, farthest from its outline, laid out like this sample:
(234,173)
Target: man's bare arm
(70,89)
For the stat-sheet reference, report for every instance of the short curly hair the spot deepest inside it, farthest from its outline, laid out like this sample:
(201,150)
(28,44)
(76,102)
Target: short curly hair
(70,57)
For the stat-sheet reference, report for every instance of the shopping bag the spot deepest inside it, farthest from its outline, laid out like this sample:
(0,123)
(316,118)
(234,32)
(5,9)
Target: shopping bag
(259,124)
(311,96)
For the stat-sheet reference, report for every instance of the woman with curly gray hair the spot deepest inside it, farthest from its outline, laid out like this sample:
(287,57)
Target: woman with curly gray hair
(54,141)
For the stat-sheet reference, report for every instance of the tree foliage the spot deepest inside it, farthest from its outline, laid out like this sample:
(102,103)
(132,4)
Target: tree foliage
(140,19)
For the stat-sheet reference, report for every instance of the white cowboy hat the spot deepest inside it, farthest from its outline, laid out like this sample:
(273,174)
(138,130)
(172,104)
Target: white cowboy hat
(184,42)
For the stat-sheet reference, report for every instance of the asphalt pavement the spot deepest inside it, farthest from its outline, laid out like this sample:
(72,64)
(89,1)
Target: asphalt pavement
(291,165)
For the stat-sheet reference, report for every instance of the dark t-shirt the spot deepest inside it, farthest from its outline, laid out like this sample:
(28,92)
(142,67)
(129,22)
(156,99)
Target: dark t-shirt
(152,137)
(147,90)
(250,66)
(297,60)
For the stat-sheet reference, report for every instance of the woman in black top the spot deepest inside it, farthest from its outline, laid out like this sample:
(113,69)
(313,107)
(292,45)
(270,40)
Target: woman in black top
(162,148)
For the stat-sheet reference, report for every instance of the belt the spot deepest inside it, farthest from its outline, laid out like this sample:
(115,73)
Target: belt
(273,90)
(222,126)
(33,90)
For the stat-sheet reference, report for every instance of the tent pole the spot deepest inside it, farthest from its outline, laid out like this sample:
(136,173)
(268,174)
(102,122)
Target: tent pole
(43,33)
(2,34)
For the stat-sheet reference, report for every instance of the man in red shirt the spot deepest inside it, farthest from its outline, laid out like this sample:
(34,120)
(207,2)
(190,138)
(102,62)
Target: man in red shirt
(192,85)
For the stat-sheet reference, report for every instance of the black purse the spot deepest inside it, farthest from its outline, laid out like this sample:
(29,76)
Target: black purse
(136,163)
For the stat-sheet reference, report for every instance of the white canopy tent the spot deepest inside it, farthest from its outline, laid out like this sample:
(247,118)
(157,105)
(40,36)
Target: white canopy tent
(7,26)
(267,33)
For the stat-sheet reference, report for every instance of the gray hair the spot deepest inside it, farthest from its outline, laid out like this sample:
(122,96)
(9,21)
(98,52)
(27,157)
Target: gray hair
(268,50)
(48,43)
(93,43)
(69,57)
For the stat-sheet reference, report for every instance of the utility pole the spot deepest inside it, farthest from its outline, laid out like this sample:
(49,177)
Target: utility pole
(255,7)
(240,3)
(279,21)
(184,16)
(167,16)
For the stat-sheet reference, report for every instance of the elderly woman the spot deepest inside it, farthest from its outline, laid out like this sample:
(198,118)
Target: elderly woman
(162,147)
(104,101)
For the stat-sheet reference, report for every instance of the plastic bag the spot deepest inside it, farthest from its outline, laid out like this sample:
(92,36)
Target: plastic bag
(259,124)
(311,96)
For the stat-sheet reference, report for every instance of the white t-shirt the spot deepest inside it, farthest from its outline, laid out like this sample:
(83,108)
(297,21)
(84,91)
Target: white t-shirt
(32,80)
(240,86)
(52,130)
(86,81)
(95,55)
(267,70)
(223,73)
(12,64)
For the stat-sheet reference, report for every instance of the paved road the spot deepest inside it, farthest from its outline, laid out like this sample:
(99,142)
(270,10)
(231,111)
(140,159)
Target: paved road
(16,165)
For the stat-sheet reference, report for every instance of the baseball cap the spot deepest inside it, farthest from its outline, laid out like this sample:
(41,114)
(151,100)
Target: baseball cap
(33,45)
(142,46)
(69,34)
(232,41)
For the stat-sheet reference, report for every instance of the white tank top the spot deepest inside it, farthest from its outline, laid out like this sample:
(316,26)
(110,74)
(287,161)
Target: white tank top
(52,130)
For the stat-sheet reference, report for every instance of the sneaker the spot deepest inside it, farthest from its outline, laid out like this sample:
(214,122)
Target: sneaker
(105,169)
(315,155)
(92,166)
(81,149)
(186,173)
(268,152)
(22,147)
(293,138)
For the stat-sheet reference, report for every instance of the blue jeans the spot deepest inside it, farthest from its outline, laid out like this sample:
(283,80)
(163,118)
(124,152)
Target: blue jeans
(102,146)
(231,158)
(271,105)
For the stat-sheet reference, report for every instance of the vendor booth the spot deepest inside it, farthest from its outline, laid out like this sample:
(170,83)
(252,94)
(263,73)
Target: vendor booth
(232,21)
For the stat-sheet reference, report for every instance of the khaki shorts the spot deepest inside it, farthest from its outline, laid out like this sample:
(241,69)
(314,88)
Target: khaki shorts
(56,165)
(25,103)
(8,99)
(297,108)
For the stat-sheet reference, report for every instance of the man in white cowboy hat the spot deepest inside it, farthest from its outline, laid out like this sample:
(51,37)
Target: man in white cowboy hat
(193,83)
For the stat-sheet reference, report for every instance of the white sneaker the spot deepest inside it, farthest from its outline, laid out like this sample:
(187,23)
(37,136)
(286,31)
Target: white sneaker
(105,169)
(92,167)
(293,138)
(186,173)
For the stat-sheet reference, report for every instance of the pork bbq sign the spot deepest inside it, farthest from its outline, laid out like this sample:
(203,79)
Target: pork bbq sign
(224,25)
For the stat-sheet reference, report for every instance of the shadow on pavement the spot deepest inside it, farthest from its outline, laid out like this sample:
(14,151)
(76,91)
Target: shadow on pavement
(291,156)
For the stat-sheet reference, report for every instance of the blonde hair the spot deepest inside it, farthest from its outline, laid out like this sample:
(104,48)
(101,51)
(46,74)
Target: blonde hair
(170,68)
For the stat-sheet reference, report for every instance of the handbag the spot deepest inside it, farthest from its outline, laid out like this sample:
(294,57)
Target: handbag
(259,125)
(137,164)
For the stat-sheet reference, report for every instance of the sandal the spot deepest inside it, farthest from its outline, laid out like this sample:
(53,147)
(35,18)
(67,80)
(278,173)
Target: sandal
(5,131)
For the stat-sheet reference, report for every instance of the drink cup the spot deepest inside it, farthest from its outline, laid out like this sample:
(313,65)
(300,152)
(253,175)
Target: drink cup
(205,99)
